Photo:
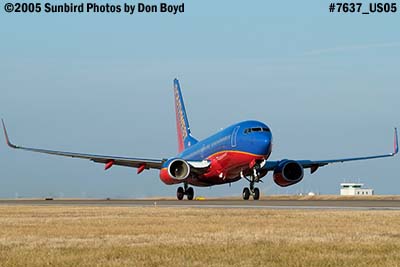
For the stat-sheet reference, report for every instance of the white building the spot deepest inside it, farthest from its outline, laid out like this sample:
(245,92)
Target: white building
(355,189)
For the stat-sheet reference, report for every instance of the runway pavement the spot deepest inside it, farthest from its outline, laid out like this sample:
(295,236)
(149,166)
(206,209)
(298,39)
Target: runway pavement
(220,203)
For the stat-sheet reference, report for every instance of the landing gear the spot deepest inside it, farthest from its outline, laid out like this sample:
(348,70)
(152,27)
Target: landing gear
(180,193)
(246,193)
(256,193)
(188,191)
(253,191)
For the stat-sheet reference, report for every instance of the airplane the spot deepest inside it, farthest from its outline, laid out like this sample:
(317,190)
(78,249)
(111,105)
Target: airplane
(240,151)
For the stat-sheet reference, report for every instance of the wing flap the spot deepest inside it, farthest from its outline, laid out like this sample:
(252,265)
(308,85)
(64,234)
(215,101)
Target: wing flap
(129,162)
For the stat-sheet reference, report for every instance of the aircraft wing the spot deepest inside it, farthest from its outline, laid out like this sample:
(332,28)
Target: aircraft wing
(139,163)
(315,164)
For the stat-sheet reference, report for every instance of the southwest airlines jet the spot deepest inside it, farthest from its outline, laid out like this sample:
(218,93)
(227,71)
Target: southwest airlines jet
(240,151)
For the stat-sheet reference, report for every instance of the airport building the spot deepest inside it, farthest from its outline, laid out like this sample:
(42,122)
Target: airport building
(355,189)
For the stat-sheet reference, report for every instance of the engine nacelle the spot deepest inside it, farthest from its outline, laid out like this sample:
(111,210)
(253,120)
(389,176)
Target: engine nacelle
(288,172)
(178,169)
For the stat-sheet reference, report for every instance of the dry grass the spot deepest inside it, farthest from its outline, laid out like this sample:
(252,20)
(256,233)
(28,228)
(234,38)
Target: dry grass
(320,197)
(298,197)
(156,236)
(332,197)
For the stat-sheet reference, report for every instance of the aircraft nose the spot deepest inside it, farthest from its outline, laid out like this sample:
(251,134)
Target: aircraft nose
(266,145)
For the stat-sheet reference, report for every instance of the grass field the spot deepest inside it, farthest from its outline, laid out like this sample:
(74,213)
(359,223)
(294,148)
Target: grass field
(131,236)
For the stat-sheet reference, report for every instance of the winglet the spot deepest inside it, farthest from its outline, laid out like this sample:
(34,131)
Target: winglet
(396,142)
(6,135)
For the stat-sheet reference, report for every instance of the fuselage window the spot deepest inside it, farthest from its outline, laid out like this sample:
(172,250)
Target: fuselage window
(258,129)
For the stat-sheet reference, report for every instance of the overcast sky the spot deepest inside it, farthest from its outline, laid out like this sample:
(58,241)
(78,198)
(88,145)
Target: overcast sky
(327,85)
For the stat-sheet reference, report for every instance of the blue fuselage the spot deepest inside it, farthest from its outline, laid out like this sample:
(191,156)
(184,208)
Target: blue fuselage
(257,141)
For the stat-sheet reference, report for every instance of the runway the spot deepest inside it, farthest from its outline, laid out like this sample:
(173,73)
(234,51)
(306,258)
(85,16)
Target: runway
(220,203)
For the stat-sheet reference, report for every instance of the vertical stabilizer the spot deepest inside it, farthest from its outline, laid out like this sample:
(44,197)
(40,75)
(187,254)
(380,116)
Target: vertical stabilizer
(182,124)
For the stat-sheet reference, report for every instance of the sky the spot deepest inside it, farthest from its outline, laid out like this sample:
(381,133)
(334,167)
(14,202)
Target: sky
(326,83)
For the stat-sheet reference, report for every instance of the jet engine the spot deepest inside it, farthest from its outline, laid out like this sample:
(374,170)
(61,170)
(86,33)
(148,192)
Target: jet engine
(178,169)
(288,172)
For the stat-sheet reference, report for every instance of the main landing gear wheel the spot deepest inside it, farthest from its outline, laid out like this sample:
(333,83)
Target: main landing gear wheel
(256,193)
(188,191)
(246,193)
(180,193)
